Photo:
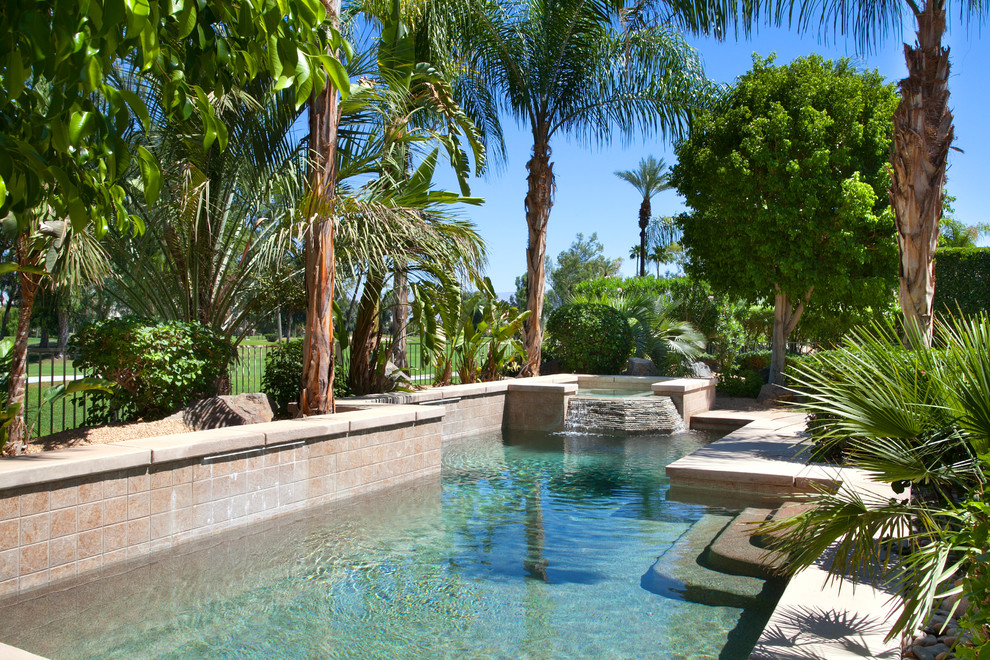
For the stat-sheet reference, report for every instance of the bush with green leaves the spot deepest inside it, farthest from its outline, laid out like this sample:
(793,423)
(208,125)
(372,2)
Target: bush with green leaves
(283,375)
(158,368)
(589,338)
(753,360)
(963,280)
(744,382)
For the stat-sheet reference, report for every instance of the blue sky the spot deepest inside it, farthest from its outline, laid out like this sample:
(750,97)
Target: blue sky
(591,199)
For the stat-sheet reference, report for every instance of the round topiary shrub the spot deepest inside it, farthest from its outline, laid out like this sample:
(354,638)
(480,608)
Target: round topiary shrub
(283,374)
(589,338)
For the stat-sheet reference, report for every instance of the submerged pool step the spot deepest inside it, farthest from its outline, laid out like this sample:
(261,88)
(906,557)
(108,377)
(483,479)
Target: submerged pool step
(735,550)
(680,572)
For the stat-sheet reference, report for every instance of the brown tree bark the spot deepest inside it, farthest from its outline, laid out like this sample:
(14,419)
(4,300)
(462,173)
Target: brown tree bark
(923,133)
(318,357)
(644,222)
(363,377)
(785,319)
(539,201)
(30,282)
(400,355)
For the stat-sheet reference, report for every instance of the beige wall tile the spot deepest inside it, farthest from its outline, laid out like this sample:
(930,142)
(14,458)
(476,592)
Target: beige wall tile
(114,510)
(62,550)
(138,531)
(10,534)
(63,522)
(89,516)
(67,495)
(8,564)
(34,502)
(35,529)
(33,558)
(114,537)
(138,505)
(33,580)
(90,544)
(91,491)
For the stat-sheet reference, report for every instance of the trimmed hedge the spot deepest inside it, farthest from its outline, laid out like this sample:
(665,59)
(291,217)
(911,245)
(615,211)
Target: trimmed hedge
(962,280)
(589,338)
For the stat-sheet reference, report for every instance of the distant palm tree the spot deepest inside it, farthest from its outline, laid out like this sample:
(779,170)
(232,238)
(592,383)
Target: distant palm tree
(634,255)
(567,66)
(648,179)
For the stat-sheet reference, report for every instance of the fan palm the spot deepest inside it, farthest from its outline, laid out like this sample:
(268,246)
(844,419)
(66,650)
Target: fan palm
(910,418)
(648,179)
(565,66)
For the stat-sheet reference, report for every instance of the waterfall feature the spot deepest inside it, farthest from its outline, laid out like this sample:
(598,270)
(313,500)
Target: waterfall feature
(651,414)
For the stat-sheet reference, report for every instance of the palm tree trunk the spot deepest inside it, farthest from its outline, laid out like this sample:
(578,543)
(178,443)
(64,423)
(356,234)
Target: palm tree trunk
(785,318)
(318,362)
(923,133)
(401,320)
(6,314)
(16,388)
(539,201)
(62,319)
(644,222)
(364,340)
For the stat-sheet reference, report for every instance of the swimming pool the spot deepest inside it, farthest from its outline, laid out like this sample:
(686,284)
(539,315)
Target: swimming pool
(527,546)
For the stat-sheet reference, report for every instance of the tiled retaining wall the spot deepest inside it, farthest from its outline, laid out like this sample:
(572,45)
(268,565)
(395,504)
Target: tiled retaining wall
(163,491)
(470,409)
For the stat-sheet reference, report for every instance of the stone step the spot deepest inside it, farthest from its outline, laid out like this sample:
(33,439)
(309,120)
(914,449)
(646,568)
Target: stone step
(679,574)
(735,550)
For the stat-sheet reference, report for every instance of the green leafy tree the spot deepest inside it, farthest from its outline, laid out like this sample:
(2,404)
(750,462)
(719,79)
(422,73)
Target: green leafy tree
(584,260)
(648,179)
(786,190)
(566,67)
(923,126)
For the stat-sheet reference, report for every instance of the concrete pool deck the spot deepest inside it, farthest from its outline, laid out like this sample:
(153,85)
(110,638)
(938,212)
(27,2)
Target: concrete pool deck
(815,618)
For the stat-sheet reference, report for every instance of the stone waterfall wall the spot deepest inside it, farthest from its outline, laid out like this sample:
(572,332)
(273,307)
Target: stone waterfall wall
(655,414)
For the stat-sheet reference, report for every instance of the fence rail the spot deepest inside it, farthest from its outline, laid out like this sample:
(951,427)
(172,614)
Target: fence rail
(47,368)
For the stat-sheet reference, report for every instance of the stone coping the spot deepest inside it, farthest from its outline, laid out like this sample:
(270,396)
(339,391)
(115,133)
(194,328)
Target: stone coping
(816,617)
(27,470)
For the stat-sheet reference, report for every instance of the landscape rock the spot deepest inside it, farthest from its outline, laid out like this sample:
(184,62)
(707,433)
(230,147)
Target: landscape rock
(771,393)
(641,367)
(229,410)
(700,370)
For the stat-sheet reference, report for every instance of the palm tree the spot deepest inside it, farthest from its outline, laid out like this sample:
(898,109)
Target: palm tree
(221,219)
(318,367)
(923,129)
(564,66)
(648,179)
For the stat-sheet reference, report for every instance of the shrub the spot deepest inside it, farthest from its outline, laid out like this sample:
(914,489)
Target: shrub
(589,338)
(158,367)
(753,360)
(963,280)
(271,338)
(745,383)
(283,375)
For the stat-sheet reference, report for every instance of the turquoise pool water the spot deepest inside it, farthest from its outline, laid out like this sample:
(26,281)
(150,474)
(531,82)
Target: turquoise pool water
(527,547)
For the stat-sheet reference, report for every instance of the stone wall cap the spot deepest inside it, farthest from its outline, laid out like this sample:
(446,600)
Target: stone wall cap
(562,388)
(181,446)
(681,385)
(304,428)
(69,463)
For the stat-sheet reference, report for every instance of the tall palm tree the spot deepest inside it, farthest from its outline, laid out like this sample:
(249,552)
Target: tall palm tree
(648,179)
(923,129)
(567,66)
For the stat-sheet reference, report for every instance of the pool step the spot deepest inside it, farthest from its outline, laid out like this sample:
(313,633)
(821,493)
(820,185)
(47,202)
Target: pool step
(680,573)
(735,550)
(739,551)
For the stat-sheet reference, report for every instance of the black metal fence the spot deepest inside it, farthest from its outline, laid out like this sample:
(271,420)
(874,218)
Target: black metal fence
(47,368)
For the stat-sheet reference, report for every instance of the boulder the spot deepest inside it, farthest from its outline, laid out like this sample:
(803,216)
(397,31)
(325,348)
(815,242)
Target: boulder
(699,370)
(771,393)
(641,367)
(230,410)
